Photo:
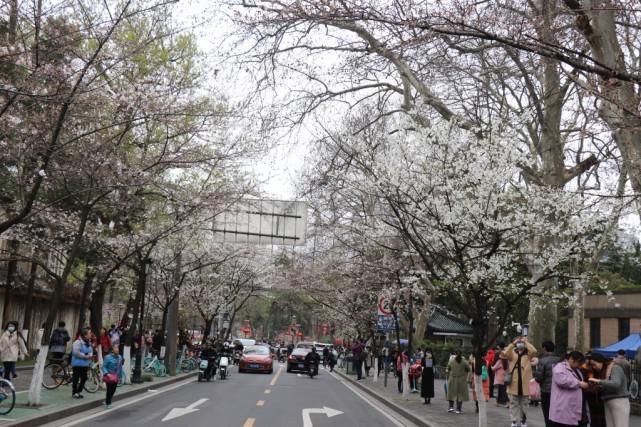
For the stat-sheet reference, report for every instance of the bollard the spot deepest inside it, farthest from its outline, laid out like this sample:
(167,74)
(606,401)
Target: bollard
(376,369)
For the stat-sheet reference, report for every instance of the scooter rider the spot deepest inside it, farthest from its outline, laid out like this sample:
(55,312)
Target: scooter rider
(312,359)
(209,352)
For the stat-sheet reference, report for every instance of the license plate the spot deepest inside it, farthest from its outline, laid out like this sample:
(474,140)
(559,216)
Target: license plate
(254,366)
(301,365)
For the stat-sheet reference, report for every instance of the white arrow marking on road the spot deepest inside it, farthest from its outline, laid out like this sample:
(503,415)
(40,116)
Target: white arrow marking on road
(179,412)
(307,420)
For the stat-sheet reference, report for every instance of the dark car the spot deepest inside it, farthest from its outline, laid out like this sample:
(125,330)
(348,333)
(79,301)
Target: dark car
(296,360)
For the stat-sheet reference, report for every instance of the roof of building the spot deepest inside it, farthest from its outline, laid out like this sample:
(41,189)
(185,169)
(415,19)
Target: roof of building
(441,321)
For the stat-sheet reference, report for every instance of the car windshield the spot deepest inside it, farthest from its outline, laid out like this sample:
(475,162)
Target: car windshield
(257,350)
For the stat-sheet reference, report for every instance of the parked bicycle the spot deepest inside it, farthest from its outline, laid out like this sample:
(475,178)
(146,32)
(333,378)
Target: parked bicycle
(58,372)
(7,395)
(156,366)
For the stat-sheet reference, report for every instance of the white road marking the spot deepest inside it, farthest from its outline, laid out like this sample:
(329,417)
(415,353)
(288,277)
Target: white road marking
(268,391)
(396,422)
(127,403)
(307,419)
(179,412)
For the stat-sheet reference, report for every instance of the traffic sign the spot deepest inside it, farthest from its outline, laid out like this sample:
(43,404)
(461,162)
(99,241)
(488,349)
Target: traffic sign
(385,323)
(384,306)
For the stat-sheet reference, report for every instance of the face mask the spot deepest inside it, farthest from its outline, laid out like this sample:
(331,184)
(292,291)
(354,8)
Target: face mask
(11,329)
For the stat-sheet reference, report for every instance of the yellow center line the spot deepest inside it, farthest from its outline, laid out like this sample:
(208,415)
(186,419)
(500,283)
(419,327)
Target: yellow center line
(268,391)
(249,422)
(260,403)
(276,376)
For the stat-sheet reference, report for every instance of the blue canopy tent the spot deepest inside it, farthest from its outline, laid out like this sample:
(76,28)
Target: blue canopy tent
(629,344)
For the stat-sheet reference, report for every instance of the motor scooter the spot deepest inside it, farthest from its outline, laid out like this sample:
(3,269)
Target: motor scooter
(312,369)
(203,371)
(223,367)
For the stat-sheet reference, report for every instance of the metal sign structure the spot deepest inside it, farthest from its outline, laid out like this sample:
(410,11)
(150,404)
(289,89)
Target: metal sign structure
(263,222)
(385,321)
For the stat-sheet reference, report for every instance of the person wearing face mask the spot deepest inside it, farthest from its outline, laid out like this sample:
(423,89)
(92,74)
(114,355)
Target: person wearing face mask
(12,348)
(613,386)
(519,355)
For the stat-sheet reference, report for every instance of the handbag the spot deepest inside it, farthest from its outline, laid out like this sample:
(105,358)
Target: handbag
(110,378)
(508,377)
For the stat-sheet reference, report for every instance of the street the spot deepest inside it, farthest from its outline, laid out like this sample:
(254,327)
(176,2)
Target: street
(246,400)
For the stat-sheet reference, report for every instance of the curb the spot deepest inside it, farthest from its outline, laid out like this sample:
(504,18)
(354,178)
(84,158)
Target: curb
(76,409)
(406,413)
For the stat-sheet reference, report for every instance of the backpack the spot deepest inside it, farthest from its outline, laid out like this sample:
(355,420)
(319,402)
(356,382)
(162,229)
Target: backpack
(58,337)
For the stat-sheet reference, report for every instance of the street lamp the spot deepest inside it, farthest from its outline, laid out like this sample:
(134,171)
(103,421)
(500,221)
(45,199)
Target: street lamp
(137,377)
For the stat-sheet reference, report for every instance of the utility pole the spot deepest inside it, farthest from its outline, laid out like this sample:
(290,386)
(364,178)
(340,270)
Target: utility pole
(172,322)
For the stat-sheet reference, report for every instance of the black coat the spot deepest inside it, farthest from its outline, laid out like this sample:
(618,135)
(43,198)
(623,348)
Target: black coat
(427,381)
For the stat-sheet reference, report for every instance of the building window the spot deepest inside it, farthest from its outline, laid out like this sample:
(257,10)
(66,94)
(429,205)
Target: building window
(624,328)
(595,333)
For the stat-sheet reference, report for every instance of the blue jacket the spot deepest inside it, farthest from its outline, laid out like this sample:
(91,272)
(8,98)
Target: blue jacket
(79,352)
(112,363)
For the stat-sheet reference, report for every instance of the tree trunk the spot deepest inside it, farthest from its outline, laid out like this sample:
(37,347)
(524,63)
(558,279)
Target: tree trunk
(208,323)
(26,321)
(8,290)
(95,307)
(86,290)
(543,315)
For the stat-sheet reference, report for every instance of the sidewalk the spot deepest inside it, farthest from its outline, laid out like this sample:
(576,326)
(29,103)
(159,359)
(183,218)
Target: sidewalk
(58,403)
(435,414)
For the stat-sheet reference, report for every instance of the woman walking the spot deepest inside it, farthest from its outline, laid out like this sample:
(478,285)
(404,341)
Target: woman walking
(457,373)
(427,378)
(12,348)
(614,390)
(111,373)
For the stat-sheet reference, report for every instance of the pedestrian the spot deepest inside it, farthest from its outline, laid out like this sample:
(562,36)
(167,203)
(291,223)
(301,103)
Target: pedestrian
(81,357)
(415,371)
(543,376)
(115,334)
(568,407)
(621,360)
(490,359)
(333,357)
(613,385)
(519,354)
(104,341)
(12,348)
(357,358)
(366,360)
(500,369)
(401,358)
(457,371)
(58,342)
(111,373)
(157,340)
(427,378)
(325,357)
(593,397)
(485,381)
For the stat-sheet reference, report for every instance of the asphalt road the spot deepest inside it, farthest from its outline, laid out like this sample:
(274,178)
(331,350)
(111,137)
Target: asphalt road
(247,400)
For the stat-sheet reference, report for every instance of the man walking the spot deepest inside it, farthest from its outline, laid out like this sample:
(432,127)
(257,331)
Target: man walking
(543,375)
(357,357)
(624,364)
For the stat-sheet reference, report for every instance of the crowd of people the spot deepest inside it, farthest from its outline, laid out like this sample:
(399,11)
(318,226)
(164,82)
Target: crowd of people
(575,390)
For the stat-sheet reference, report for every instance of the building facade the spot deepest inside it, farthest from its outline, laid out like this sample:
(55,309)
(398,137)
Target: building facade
(608,319)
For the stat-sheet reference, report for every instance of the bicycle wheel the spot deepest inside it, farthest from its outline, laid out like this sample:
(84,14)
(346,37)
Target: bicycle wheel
(93,381)
(186,365)
(7,397)
(53,377)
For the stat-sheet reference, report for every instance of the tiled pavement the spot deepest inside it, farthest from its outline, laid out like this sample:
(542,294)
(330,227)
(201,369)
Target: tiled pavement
(436,415)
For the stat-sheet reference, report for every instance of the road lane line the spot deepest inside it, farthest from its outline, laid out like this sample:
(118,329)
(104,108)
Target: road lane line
(268,391)
(260,403)
(249,422)
(273,383)
(396,422)
(127,403)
